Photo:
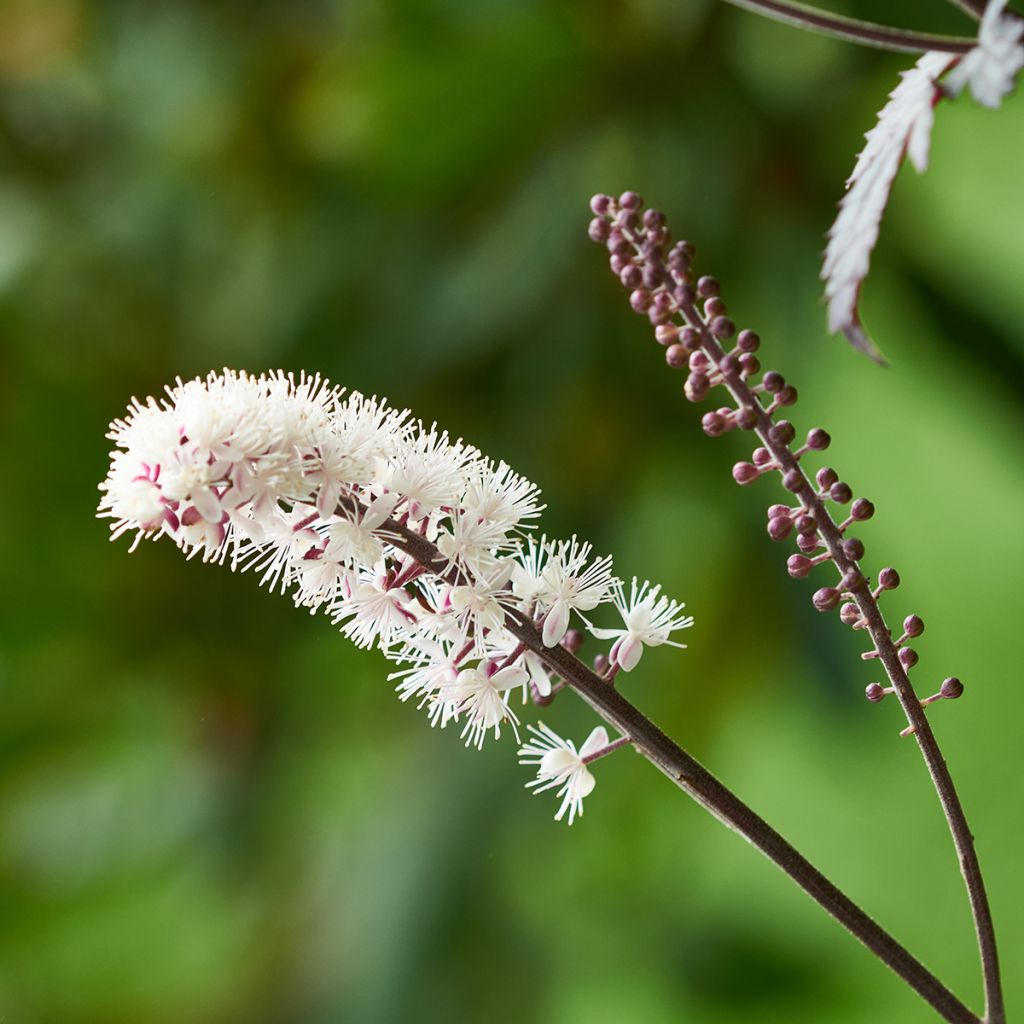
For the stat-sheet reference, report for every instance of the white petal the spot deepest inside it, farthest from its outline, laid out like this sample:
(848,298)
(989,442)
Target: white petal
(597,740)
(510,677)
(379,509)
(629,652)
(556,622)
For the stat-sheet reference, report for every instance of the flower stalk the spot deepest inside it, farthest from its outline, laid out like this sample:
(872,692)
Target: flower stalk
(664,287)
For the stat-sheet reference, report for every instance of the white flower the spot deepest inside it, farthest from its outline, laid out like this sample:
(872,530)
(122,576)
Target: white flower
(374,611)
(430,471)
(649,619)
(559,764)
(991,68)
(484,699)
(478,606)
(499,496)
(351,538)
(568,584)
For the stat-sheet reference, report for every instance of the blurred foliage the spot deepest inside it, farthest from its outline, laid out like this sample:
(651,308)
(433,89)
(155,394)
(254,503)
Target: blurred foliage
(211,808)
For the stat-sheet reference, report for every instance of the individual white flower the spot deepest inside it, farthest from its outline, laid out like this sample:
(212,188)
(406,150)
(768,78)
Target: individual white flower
(480,606)
(648,618)
(470,542)
(351,538)
(321,580)
(429,471)
(560,765)
(500,497)
(484,699)
(374,611)
(288,538)
(569,584)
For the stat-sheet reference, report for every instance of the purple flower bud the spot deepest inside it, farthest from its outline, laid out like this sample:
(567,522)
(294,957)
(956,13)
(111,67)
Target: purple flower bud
(640,300)
(699,361)
(853,549)
(601,664)
(787,395)
(653,219)
(748,341)
(807,542)
(853,580)
(617,244)
(951,688)
(761,456)
(631,276)
(826,477)
(749,364)
(675,355)
(773,381)
(600,204)
(799,566)
(862,509)
(696,387)
(684,295)
(888,579)
(573,640)
(658,314)
(689,338)
(840,492)
(793,480)
(782,432)
(746,418)
(628,219)
(722,328)
(780,527)
(818,440)
(713,424)
(826,599)
(729,363)
(806,524)
(913,625)
(849,613)
(630,201)
(666,334)
(874,692)
(599,230)
(707,286)
(744,473)
(653,275)
(908,658)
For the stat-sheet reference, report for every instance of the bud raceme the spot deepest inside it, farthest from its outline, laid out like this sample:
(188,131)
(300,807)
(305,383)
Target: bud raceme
(313,490)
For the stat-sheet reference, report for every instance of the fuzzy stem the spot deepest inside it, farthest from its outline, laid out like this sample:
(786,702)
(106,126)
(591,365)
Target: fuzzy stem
(866,33)
(888,655)
(694,779)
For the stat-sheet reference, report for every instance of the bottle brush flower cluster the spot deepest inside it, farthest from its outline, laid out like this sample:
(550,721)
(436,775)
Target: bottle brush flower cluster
(319,493)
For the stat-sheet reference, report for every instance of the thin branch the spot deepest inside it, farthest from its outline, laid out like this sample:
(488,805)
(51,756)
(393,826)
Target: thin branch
(694,779)
(867,33)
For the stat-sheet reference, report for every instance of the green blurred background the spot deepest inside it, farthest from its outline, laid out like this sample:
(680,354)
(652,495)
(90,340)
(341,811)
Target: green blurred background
(212,809)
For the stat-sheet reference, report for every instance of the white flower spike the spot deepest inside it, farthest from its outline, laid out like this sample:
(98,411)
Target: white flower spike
(411,542)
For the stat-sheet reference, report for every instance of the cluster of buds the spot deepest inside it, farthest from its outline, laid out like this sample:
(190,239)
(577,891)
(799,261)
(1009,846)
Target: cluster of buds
(692,324)
(411,541)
